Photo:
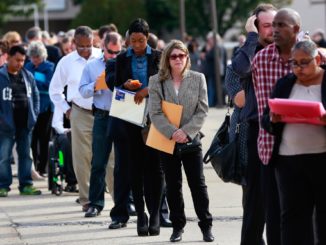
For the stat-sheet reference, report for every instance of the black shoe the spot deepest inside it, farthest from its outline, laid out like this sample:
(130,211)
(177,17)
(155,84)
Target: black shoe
(92,212)
(117,225)
(77,201)
(131,209)
(154,225)
(208,236)
(165,222)
(142,224)
(71,188)
(176,235)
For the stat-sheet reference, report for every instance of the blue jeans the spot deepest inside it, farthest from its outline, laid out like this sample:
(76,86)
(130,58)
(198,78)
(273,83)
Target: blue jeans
(22,138)
(101,147)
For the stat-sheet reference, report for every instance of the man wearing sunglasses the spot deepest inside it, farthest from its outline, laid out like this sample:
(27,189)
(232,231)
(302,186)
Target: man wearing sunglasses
(94,75)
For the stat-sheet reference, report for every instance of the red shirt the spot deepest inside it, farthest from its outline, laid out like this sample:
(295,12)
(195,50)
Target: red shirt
(267,68)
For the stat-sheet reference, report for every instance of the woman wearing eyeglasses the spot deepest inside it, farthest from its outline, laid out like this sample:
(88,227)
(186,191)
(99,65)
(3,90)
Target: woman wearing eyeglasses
(300,151)
(139,166)
(177,84)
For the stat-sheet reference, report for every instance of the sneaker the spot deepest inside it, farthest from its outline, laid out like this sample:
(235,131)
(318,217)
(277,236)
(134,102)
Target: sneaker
(3,192)
(30,190)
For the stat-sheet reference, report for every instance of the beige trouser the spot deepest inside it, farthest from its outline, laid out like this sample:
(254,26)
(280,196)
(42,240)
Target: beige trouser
(81,140)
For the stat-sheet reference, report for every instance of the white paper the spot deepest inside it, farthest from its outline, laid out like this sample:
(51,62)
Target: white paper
(124,107)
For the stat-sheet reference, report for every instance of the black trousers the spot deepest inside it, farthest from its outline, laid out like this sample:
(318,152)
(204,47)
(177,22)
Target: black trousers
(193,167)
(63,143)
(301,184)
(138,167)
(253,204)
(40,140)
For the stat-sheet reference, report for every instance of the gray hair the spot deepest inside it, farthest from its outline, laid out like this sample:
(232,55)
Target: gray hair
(307,46)
(83,31)
(37,49)
(34,33)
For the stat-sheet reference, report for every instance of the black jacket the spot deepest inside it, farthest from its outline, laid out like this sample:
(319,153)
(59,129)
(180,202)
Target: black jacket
(123,70)
(283,90)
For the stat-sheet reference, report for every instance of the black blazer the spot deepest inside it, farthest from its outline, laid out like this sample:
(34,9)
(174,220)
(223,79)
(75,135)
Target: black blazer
(123,70)
(283,90)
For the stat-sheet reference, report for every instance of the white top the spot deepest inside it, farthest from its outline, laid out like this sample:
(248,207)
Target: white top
(303,138)
(57,121)
(68,72)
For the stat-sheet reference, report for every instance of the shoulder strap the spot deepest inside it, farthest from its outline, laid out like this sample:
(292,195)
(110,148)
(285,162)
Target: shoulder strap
(162,89)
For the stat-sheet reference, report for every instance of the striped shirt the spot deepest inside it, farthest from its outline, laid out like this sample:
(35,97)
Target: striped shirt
(267,68)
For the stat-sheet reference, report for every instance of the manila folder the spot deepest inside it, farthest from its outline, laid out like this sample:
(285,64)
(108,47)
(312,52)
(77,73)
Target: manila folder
(155,138)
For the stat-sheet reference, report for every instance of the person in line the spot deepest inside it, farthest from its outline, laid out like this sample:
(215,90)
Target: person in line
(257,207)
(101,143)
(138,163)
(269,65)
(4,48)
(42,71)
(19,105)
(177,84)
(68,73)
(300,157)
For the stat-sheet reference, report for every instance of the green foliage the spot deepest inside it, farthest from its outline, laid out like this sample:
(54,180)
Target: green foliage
(163,15)
(96,13)
(7,7)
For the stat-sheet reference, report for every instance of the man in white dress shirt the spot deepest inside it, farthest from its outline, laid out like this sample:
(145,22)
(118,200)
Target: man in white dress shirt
(68,73)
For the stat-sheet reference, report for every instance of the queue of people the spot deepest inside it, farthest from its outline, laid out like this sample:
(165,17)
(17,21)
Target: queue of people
(281,193)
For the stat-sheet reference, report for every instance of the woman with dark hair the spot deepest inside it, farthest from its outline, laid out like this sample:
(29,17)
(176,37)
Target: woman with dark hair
(177,84)
(300,151)
(136,161)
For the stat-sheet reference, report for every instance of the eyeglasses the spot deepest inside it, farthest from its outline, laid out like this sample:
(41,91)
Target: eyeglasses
(302,64)
(176,56)
(84,48)
(113,52)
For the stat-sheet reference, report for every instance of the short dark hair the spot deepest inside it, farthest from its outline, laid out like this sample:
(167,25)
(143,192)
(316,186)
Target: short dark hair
(152,40)
(84,31)
(139,25)
(263,7)
(33,32)
(107,28)
(17,49)
(112,37)
(4,46)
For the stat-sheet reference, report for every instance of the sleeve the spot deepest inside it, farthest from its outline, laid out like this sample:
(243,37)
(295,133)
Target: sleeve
(86,85)
(57,121)
(36,96)
(110,73)
(155,109)
(232,82)
(241,62)
(57,84)
(118,71)
(196,123)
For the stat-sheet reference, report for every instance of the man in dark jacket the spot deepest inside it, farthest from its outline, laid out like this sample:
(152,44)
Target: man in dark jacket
(19,107)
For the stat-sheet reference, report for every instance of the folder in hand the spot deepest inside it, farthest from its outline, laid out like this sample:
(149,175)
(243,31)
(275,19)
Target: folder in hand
(100,82)
(155,138)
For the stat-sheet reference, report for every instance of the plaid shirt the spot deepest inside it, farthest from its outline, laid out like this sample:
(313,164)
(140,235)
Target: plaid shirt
(267,68)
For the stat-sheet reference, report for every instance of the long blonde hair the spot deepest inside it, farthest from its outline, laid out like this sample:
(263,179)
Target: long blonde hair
(165,70)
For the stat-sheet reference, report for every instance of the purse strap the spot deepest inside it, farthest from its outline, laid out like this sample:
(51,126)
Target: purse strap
(162,90)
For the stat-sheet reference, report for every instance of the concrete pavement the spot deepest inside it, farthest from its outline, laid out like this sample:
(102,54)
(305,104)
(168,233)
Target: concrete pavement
(49,219)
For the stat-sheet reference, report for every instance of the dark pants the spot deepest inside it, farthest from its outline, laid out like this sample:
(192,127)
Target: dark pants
(40,140)
(63,143)
(138,167)
(301,184)
(101,148)
(253,204)
(193,167)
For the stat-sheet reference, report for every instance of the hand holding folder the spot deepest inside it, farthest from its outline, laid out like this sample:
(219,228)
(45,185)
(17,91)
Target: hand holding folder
(100,82)
(155,138)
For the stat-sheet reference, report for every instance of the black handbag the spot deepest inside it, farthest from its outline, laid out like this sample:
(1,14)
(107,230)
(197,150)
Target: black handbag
(225,155)
(189,147)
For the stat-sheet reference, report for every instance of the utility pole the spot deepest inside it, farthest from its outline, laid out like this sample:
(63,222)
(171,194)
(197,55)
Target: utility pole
(182,19)
(219,89)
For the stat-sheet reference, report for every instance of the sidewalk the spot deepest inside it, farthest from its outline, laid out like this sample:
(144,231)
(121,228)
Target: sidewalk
(50,219)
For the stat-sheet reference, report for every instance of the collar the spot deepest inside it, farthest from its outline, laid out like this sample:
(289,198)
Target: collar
(275,55)
(130,51)
(76,56)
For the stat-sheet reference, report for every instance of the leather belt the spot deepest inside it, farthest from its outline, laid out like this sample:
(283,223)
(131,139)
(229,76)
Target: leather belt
(81,108)
(100,111)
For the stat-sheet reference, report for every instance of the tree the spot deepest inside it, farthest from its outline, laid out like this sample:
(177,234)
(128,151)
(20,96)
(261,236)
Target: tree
(8,8)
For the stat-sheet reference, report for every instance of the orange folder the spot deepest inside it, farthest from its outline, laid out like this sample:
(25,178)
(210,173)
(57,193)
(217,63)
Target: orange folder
(100,82)
(155,138)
